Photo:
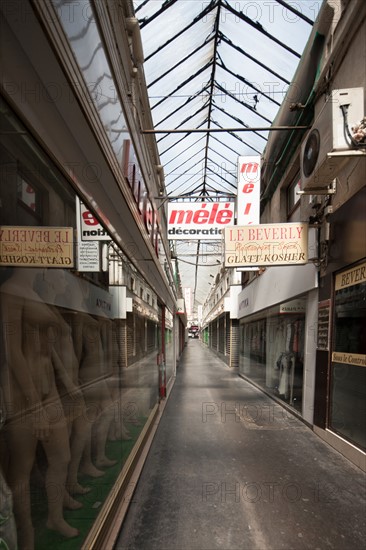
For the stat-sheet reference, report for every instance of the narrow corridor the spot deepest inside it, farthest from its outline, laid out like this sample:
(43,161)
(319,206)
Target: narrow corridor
(230,468)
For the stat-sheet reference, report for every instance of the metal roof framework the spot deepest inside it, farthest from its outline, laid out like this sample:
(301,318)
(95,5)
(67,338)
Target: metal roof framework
(214,70)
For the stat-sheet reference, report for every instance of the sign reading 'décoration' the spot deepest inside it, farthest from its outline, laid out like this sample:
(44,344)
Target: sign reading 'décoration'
(89,227)
(201,220)
(266,244)
(25,246)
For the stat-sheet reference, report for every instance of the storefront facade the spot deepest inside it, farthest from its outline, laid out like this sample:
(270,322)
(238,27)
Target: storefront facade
(277,337)
(88,321)
(339,410)
(341,356)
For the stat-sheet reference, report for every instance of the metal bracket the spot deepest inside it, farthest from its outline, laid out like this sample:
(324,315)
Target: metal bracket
(330,190)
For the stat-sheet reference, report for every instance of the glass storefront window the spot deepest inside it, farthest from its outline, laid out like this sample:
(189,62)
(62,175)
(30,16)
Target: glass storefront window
(272,350)
(78,379)
(348,372)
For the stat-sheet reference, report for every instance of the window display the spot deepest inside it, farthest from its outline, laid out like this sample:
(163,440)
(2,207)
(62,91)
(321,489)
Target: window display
(348,372)
(78,381)
(272,350)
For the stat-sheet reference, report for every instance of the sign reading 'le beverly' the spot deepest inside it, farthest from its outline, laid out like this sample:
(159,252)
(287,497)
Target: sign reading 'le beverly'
(266,244)
(199,220)
(25,246)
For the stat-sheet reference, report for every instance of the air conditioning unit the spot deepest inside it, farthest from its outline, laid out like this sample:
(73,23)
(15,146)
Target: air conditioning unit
(327,148)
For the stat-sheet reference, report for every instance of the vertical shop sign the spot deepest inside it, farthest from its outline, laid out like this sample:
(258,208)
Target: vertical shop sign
(90,232)
(247,204)
(323,325)
(89,228)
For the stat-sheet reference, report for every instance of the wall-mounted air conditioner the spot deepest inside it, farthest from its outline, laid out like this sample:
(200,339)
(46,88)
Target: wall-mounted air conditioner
(327,147)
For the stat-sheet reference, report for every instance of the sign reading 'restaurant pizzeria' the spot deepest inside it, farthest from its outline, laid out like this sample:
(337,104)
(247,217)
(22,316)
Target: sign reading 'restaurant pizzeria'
(199,220)
(266,244)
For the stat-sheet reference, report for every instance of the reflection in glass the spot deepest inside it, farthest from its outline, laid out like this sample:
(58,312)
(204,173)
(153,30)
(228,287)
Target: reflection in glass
(348,374)
(272,350)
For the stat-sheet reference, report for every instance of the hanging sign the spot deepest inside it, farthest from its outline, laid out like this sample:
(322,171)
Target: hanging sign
(180,306)
(26,246)
(266,244)
(199,220)
(88,256)
(89,228)
(248,196)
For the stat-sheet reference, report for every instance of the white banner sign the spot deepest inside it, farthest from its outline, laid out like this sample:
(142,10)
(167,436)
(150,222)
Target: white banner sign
(249,179)
(199,220)
(88,256)
(266,244)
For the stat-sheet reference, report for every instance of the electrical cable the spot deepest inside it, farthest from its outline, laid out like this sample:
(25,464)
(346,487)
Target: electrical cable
(199,265)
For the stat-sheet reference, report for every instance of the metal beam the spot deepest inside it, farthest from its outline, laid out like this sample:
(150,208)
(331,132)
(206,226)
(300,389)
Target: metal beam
(210,130)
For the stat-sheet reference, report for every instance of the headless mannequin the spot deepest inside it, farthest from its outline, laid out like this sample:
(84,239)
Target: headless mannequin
(93,372)
(36,412)
(52,284)
(118,429)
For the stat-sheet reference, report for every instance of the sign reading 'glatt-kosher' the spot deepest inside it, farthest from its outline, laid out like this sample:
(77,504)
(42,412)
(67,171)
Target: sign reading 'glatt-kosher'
(199,220)
(266,244)
(26,246)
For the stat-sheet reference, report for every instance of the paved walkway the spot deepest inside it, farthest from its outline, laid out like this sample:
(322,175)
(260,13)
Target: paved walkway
(231,469)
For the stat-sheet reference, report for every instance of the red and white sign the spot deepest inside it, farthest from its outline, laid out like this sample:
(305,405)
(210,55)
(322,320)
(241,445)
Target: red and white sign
(248,198)
(199,220)
(90,228)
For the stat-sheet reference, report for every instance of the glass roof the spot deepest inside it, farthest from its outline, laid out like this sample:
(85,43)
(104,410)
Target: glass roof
(219,65)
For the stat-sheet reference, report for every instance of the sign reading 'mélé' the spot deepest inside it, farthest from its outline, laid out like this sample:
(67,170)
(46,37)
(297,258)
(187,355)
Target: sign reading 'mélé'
(266,244)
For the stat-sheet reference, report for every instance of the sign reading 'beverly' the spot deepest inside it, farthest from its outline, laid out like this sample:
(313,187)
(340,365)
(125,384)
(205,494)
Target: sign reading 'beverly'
(37,246)
(266,244)
(201,220)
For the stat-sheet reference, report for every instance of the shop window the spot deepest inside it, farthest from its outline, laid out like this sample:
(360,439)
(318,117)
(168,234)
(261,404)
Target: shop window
(348,372)
(272,350)
(64,348)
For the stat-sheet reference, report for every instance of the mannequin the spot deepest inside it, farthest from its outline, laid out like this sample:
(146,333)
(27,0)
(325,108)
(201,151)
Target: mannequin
(8,532)
(51,284)
(118,429)
(93,372)
(36,413)
(105,420)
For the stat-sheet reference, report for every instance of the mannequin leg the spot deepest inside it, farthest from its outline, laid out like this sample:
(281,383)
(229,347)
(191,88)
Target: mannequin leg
(22,447)
(58,457)
(79,436)
(87,467)
(117,430)
(102,425)
(101,432)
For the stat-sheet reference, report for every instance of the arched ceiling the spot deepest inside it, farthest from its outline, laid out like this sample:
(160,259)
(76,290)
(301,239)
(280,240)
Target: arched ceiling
(217,72)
